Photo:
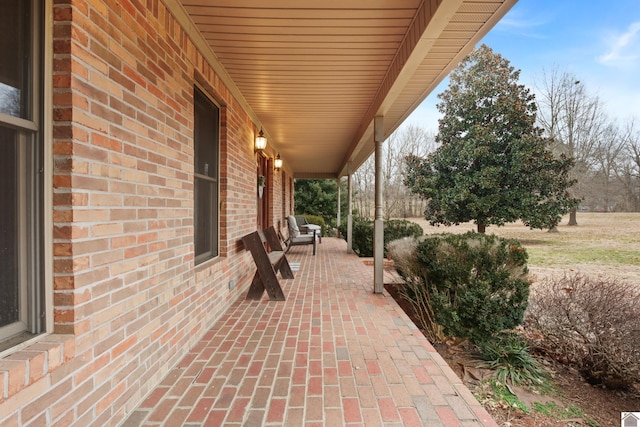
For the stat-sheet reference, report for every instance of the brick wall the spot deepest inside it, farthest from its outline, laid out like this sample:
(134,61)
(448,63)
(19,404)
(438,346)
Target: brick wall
(128,299)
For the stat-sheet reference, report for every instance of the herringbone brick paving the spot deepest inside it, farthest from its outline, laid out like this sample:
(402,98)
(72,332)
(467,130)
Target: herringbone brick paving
(332,354)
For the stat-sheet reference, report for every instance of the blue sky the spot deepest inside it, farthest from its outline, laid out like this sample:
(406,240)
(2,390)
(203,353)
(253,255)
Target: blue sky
(598,42)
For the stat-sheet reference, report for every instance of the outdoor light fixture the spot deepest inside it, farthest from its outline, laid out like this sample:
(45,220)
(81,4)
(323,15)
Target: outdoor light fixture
(277,163)
(261,141)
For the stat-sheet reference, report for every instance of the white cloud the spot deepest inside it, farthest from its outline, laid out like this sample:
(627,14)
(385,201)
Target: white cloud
(623,48)
(521,26)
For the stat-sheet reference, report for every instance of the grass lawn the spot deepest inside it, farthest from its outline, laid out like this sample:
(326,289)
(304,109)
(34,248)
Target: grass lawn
(601,243)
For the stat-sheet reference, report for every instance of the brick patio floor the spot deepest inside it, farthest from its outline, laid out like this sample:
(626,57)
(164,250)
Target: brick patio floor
(332,354)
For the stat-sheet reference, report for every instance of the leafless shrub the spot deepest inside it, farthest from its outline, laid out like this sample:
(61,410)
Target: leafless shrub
(403,253)
(590,323)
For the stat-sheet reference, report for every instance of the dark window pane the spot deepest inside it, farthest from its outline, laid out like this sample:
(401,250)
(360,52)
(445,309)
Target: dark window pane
(206,136)
(206,145)
(15,57)
(9,285)
(204,216)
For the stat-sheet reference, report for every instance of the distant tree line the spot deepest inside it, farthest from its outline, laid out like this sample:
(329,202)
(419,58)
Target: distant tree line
(398,202)
(606,151)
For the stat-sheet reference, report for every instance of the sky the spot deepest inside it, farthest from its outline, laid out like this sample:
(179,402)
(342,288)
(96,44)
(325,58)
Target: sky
(597,41)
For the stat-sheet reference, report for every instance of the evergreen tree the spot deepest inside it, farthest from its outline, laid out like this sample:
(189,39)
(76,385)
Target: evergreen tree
(493,165)
(319,197)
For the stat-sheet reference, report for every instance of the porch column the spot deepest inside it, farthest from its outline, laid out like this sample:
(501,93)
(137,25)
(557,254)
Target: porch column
(349,215)
(378,224)
(338,182)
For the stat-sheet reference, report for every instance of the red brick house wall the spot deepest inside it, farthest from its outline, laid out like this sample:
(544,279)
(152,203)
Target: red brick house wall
(128,299)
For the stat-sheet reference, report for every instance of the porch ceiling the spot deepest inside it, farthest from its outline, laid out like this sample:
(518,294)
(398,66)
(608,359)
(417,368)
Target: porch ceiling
(314,74)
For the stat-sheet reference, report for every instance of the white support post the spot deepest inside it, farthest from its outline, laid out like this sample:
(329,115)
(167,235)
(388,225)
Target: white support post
(378,224)
(349,213)
(338,218)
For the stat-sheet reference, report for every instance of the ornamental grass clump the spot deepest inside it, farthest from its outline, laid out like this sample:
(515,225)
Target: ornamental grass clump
(507,354)
(403,254)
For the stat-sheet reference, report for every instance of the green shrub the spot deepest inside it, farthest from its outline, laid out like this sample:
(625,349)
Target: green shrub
(362,230)
(318,220)
(362,236)
(475,285)
(398,228)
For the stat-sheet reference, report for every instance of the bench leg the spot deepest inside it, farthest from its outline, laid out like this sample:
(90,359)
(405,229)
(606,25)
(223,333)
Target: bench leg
(258,286)
(284,268)
(314,242)
(256,289)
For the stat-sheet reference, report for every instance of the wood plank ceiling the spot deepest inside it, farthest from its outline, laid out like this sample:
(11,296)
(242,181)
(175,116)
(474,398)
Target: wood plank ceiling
(315,73)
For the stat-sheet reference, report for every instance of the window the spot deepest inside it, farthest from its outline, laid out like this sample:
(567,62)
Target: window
(21,173)
(206,144)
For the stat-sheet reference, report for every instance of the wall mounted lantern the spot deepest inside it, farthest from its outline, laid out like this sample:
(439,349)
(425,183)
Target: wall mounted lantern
(277,163)
(261,142)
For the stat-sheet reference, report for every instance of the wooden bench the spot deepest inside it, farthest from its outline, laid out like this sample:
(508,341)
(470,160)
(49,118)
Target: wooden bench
(268,264)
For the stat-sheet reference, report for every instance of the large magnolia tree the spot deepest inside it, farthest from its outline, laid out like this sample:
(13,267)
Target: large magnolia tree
(493,165)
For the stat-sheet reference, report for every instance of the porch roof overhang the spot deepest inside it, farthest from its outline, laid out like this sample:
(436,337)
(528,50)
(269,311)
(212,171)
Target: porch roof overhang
(315,74)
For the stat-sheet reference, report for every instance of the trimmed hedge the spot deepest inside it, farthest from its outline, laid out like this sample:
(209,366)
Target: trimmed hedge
(393,229)
(472,285)
(318,220)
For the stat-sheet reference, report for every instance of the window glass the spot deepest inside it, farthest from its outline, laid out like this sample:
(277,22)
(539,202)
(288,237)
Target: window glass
(21,173)
(204,212)
(10,301)
(206,147)
(15,58)
(206,136)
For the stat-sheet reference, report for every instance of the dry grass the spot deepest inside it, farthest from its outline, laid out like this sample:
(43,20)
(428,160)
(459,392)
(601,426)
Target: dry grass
(601,244)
